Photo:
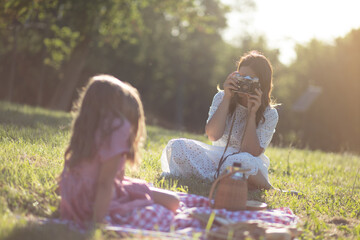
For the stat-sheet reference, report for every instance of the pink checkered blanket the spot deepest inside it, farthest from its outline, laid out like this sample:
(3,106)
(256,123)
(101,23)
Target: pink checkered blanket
(156,221)
(158,218)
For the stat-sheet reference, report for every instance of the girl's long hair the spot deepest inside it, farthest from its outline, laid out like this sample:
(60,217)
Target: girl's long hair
(104,99)
(263,70)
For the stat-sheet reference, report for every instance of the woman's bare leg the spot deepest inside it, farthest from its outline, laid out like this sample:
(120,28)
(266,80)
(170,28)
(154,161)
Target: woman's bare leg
(258,181)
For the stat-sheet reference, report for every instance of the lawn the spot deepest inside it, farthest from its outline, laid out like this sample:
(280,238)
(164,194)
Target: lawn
(32,143)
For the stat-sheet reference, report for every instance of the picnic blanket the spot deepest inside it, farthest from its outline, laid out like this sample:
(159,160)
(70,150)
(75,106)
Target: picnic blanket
(192,218)
(189,218)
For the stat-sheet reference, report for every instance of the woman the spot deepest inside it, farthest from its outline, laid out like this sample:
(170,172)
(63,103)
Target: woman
(253,118)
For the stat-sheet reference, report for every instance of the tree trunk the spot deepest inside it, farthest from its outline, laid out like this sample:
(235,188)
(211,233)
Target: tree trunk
(62,97)
(13,67)
(40,92)
(179,116)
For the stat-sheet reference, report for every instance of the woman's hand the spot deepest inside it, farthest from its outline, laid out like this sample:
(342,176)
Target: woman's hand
(230,85)
(254,101)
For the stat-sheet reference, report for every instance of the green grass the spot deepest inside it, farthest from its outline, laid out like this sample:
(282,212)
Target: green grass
(32,143)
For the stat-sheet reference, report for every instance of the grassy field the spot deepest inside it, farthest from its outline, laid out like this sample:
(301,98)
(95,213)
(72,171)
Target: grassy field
(32,143)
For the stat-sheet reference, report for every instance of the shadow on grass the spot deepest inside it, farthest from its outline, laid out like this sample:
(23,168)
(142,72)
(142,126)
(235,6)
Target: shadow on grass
(199,186)
(25,116)
(46,231)
(191,185)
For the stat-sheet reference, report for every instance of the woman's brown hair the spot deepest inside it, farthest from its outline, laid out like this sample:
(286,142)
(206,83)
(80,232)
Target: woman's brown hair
(263,70)
(104,99)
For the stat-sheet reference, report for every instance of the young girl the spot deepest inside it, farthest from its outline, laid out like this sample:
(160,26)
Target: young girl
(254,125)
(108,130)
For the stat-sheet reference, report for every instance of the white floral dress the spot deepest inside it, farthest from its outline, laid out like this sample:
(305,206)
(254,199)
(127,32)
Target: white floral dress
(186,157)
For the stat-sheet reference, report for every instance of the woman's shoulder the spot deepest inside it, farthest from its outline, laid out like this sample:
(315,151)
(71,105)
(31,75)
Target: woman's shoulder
(271,113)
(271,109)
(218,96)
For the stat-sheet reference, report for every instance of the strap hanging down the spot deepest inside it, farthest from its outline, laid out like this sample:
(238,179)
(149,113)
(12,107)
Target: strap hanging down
(222,159)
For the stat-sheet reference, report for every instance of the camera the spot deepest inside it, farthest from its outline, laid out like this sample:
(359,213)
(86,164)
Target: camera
(246,84)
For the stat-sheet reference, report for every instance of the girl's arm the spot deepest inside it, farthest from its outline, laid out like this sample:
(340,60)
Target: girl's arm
(215,128)
(250,142)
(104,187)
(166,198)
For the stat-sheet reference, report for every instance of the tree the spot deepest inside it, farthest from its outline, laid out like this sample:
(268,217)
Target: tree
(332,122)
(173,63)
(97,22)
(118,21)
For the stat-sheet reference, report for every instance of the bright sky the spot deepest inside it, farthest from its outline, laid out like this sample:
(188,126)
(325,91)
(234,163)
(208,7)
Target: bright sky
(288,22)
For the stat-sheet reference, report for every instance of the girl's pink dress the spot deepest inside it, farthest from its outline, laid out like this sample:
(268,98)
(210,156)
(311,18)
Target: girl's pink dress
(77,186)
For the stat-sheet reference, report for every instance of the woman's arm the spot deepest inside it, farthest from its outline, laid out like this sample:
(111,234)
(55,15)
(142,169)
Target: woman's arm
(250,141)
(104,187)
(166,198)
(215,128)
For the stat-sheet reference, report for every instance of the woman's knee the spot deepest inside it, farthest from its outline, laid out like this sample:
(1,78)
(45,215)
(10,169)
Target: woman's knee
(175,150)
(176,143)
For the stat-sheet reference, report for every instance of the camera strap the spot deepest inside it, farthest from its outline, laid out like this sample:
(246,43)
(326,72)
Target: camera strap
(222,159)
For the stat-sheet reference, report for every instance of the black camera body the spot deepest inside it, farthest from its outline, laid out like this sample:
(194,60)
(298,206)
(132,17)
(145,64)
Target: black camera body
(246,84)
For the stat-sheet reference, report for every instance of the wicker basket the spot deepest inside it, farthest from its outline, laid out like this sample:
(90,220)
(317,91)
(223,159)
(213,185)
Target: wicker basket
(231,191)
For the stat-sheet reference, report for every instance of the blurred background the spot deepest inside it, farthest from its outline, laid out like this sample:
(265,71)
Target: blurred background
(176,53)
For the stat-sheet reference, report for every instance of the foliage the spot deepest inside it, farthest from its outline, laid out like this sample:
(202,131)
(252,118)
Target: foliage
(156,45)
(60,46)
(332,122)
(32,143)
(159,46)
(173,53)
